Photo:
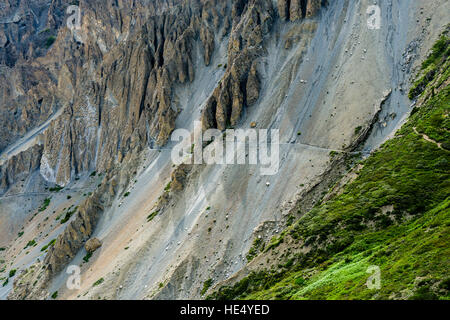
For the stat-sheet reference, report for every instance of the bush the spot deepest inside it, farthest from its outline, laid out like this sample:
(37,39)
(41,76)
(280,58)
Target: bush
(50,40)
(98,282)
(300,281)
(45,205)
(57,188)
(206,286)
(152,215)
(68,215)
(30,243)
(51,243)
(87,257)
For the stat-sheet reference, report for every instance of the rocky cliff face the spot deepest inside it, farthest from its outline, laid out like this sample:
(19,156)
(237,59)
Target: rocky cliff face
(114,76)
(294,10)
(113,79)
(27,30)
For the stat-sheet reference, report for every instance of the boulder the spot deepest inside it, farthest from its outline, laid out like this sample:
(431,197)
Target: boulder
(92,245)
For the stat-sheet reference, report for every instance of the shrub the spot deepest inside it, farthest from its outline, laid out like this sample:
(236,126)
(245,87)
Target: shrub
(45,205)
(30,243)
(98,282)
(206,286)
(152,215)
(50,40)
(51,243)
(87,257)
(57,188)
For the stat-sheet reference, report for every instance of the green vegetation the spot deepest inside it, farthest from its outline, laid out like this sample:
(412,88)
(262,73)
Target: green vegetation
(44,31)
(98,282)
(206,286)
(126,194)
(258,245)
(31,243)
(57,188)
(152,215)
(12,273)
(51,243)
(168,187)
(394,215)
(68,215)
(54,295)
(45,205)
(87,257)
(441,50)
(430,67)
(50,40)
(333,154)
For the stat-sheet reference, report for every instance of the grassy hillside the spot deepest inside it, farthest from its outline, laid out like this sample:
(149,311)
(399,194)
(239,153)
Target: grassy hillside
(395,215)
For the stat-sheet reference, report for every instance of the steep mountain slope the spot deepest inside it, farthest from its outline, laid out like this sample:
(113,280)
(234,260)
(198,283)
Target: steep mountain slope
(395,215)
(96,161)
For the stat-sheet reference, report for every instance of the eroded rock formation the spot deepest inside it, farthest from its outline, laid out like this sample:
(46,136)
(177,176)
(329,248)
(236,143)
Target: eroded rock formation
(110,85)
